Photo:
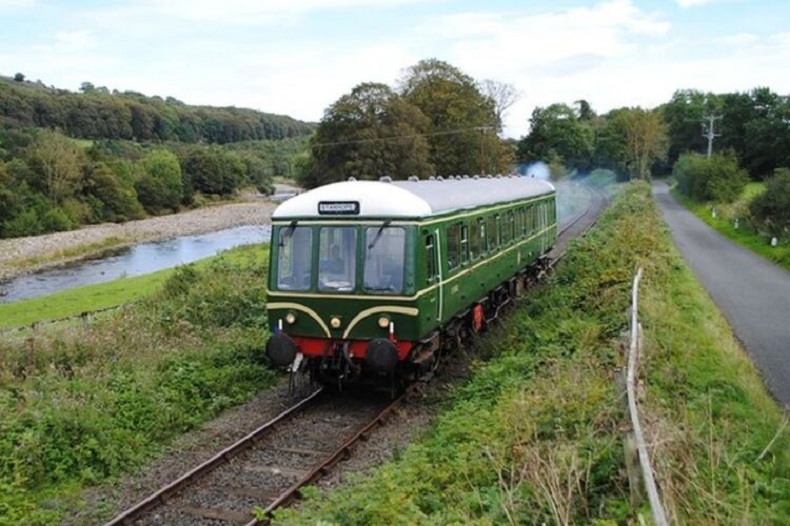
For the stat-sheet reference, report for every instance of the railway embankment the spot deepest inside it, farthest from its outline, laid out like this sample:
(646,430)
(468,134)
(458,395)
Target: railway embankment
(536,436)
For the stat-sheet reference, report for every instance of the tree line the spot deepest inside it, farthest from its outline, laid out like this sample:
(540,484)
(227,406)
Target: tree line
(69,159)
(437,120)
(97,113)
(52,182)
(748,135)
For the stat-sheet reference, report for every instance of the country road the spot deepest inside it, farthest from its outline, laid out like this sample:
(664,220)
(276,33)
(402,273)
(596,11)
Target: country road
(752,293)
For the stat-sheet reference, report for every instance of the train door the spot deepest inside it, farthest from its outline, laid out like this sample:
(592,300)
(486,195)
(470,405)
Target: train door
(433,274)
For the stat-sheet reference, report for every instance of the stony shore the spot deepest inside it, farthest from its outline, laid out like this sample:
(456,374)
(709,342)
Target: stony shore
(20,256)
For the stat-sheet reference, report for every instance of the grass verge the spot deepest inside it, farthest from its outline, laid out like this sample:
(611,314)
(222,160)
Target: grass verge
(536,436)
(84,405)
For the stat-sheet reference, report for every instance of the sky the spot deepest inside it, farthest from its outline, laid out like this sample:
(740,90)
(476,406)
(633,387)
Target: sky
(297,57)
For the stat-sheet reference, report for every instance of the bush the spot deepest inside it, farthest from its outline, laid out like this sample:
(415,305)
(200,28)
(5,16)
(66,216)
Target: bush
(161,187)
(718,178)
(771,209)
(56,220)
(26,223)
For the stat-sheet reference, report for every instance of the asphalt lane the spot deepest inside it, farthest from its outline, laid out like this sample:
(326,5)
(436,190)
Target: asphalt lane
(752,293)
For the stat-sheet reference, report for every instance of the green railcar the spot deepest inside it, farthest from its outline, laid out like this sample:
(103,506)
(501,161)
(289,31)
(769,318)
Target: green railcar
(372,279)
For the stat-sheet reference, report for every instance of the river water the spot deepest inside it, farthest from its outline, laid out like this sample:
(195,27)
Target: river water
(134,261)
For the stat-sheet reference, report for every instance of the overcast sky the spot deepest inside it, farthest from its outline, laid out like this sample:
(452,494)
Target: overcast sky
(296,57)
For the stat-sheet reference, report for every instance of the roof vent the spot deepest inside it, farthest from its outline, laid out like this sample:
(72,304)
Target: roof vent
(385,179)
(352,178)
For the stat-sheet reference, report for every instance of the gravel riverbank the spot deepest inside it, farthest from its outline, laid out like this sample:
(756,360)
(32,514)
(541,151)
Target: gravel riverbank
(24,255)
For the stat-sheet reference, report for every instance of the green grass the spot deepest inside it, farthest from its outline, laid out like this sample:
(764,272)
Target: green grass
(86,404)
(744,235)
(535,437)
(73,302)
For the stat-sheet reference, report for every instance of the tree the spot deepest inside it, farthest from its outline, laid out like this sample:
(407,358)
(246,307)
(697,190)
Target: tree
(56,162)
(458,117)
(556,135)
(205,170)
(645,139)
(109,198)
(584,111)
(87,87)
(19,77)
(684,115)
(368,133)
(502,95)
(161,186)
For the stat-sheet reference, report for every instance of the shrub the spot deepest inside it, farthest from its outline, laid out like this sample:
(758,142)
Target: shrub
(771,209)
(717,179)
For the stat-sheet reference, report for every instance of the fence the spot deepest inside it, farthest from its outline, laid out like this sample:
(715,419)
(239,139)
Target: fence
(84,316)
(659,516)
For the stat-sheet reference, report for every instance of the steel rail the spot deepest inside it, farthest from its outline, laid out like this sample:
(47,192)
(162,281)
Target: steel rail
(328,463)
(224,456)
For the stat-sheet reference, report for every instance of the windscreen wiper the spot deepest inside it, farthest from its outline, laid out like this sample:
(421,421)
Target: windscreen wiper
(287,233)
(378,234)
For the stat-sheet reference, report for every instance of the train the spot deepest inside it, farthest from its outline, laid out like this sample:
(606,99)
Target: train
(373,281)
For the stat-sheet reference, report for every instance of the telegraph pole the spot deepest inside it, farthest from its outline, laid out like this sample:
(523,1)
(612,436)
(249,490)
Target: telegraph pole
(709,132)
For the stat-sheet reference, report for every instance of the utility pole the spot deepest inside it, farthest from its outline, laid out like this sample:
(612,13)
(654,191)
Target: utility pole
(709,132)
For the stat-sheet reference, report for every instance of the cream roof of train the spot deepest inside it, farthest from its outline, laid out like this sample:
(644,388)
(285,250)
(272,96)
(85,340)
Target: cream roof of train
(413,199)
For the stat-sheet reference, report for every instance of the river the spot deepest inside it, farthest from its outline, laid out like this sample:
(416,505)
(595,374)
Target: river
(133,261)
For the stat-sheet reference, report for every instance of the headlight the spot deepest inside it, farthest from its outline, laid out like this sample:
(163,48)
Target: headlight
(290,318)
(335,322)
(384,322)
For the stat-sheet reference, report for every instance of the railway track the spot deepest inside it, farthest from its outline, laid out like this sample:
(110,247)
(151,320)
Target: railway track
(265,469)
(578,225)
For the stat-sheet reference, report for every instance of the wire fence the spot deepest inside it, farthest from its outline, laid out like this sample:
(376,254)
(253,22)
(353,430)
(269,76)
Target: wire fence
(657,508)
(84,317)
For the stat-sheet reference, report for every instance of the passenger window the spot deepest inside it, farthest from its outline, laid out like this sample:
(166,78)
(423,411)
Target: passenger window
(464,244)
(493,237)
(505,229)
(474,240)
(453,245)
